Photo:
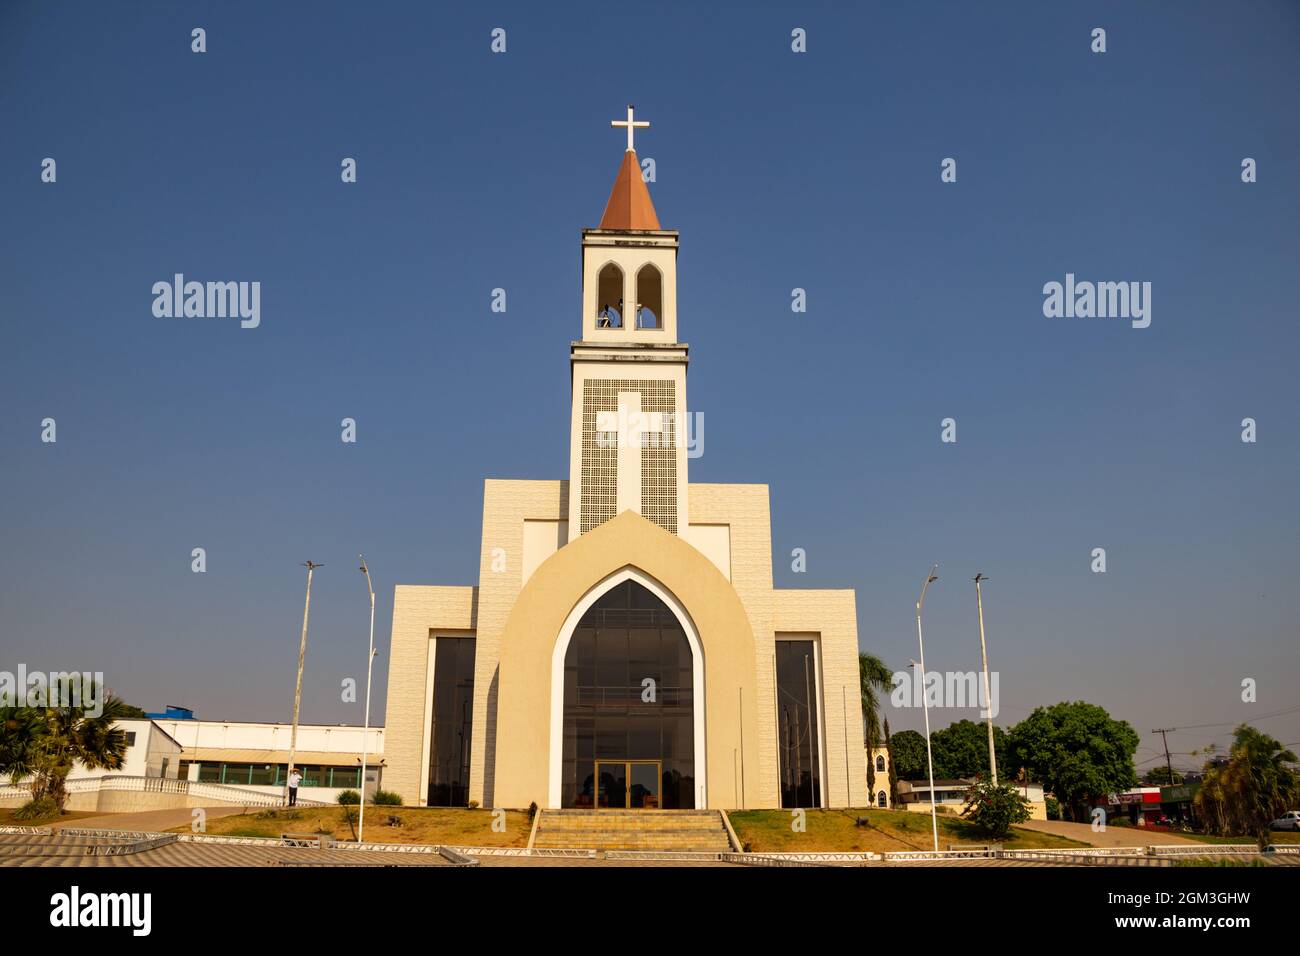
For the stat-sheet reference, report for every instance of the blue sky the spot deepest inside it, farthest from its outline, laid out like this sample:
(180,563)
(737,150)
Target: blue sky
(818,171)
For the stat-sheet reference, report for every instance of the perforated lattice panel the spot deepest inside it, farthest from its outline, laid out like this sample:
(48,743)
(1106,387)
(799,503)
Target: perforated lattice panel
(599,500)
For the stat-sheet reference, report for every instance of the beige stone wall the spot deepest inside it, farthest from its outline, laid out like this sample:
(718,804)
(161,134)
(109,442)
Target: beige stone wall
(739,655)
(745,509)
(507,504)
(523,755)
(417,611)
(833,616)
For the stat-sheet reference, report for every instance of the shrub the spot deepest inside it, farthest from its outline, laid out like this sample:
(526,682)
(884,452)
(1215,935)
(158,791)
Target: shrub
(473,804)
(386,798)
(1053,808)
(993,808)
(349,798)
(532,810)
(39,809)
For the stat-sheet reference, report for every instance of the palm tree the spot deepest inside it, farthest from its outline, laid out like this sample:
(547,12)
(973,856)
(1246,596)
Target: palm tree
(1255,786)
(45,743)
(873,678)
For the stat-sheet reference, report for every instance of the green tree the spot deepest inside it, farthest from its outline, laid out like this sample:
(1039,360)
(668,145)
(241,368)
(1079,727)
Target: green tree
(994,808)
(45,743)
(1255,786)
(873,679)
(907,750)
(962,750)
(1077,750)
(1159,777)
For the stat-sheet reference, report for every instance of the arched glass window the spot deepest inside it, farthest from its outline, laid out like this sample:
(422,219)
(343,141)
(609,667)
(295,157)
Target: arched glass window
(609,298)
(881,799)
(629,729)
(649,298)
(880,763)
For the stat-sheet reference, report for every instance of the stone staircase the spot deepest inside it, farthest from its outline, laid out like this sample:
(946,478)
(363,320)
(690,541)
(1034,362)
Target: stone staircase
(671,830)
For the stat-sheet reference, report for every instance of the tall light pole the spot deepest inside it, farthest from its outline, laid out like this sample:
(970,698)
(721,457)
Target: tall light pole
(984,655)
(925,701)
(365,734)
(311,566)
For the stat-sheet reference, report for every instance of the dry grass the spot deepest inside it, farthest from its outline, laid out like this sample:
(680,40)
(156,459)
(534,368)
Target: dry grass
(888,830)
(454,827)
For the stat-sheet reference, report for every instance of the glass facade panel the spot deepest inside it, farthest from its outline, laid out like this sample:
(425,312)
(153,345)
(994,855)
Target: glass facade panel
(453,714)
(797,722)
(345,777)
(628,697)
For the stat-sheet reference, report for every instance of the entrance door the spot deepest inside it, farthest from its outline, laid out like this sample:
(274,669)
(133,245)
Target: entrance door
(628,785)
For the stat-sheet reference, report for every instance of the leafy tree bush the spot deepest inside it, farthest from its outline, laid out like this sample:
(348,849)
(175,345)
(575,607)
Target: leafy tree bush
(386,798)
(349,798)
(993,808)
(962,750)
(907,749)
(1078,752)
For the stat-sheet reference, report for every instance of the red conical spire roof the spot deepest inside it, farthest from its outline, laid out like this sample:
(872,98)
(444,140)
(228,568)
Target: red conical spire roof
(629,205)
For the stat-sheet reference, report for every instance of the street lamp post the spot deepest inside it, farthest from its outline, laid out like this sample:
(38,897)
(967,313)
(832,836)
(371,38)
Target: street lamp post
(988,700)
(925,701)
(365,734)
(311,566)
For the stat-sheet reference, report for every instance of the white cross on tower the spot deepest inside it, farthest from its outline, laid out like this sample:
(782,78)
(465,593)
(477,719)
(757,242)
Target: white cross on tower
(631,125)
(633,428)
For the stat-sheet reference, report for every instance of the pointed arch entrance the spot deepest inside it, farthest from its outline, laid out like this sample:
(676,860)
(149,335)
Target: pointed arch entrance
(627,708)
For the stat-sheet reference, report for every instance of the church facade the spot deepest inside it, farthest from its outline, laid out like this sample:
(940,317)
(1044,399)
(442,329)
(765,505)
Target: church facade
(624,646)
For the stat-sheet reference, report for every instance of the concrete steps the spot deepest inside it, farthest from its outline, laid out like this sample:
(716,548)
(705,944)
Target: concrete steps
(681,830)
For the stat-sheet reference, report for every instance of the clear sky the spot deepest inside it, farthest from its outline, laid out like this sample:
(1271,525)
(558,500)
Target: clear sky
(781,170)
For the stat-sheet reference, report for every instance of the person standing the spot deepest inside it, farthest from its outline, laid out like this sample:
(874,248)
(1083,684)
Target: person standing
(295,778)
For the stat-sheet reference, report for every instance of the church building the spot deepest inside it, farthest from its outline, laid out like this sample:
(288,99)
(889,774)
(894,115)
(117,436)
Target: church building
(624,646)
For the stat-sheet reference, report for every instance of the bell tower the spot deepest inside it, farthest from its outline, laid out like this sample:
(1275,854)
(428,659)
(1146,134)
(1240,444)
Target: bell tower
(628,430)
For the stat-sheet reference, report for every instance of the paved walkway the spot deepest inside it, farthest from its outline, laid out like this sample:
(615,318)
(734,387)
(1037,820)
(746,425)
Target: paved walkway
(1111,836)
(154,821)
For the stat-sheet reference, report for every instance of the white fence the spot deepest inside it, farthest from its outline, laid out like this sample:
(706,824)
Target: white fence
(213,792)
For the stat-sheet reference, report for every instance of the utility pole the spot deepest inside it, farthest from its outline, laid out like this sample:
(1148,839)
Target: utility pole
(988,700)
(1164,733)
(311,566)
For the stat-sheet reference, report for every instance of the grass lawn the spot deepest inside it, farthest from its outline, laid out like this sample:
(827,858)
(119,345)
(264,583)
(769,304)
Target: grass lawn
(7,818)
(418,825)
(836,831)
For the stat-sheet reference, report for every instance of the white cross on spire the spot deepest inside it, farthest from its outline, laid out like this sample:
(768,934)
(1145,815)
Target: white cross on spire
(631,125)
